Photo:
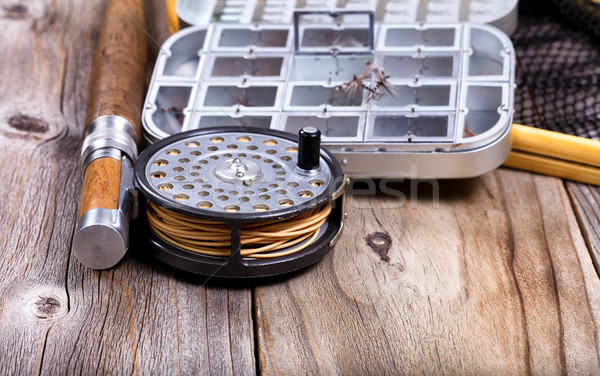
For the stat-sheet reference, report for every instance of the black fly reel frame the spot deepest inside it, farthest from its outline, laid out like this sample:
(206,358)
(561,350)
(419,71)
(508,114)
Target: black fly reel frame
(241,203)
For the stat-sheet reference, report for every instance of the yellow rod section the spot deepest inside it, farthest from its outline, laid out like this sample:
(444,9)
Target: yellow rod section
(554,167)
(556,145)
(172,19)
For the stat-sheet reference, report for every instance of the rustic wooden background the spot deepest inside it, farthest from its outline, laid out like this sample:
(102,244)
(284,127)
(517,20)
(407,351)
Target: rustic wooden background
(497,276)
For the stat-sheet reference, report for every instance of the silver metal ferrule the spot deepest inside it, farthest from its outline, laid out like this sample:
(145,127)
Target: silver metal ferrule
(110,131)
(102,235)
(103,153)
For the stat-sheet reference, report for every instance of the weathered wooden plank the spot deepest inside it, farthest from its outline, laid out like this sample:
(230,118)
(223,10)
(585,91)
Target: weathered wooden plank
(497,278)
(494,279)
(145,321)
(56,316)
(40,177)
(586,203)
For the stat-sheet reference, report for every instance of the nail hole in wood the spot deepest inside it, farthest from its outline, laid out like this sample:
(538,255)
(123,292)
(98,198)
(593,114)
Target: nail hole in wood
(380,243)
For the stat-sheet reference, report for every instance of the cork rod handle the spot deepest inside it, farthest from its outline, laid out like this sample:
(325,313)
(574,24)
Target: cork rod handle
(116,88)
(118,70)
(116,94)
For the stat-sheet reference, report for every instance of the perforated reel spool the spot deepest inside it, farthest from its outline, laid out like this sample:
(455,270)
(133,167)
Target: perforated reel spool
(241,178)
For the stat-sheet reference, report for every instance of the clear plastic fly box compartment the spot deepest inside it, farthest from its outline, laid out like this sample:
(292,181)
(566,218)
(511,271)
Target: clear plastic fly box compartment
(391,100)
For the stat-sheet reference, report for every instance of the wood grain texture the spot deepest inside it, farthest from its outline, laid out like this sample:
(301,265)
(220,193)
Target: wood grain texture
(554,167)
(101,184)
(56,316)
(145,321)
(119,65)
(495,278)
(586,203)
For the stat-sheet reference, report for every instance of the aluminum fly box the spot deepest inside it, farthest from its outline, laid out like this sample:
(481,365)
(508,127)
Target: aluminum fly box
(391,100)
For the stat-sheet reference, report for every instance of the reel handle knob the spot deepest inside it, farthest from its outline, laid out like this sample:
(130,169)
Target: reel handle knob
(309,148)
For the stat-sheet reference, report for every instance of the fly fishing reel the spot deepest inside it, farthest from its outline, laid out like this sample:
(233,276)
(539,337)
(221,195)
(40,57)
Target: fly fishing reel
(233,202)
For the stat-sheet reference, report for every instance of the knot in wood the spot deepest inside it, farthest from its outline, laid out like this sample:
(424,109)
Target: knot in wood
(380,243)
(15,11)
(46,307)
(25,123)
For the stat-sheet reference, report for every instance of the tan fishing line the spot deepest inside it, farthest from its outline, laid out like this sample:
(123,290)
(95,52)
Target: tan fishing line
(259,240)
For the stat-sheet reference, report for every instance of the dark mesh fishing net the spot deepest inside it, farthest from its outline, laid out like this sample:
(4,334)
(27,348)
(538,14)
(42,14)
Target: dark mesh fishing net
(558,66)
